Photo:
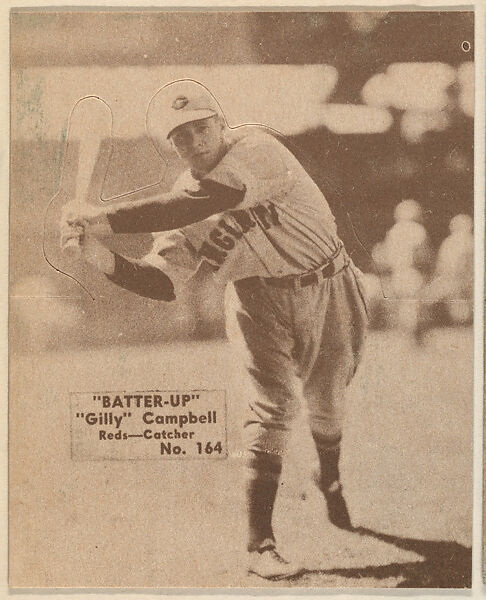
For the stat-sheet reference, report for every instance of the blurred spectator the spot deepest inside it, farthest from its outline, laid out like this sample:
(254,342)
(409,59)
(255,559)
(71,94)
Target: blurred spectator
(403,260)
(453,280)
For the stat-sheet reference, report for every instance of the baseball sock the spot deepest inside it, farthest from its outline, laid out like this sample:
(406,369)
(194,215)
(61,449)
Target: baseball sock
(328,481)
(263,475)
(328,451)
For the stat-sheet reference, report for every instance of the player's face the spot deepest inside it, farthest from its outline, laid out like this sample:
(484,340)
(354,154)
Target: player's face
(200,143)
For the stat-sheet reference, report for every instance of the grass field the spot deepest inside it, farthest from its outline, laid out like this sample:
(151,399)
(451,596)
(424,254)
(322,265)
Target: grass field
(407,470)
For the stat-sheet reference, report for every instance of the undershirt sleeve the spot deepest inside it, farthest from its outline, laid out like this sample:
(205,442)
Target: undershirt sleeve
(142,278)
(174,210)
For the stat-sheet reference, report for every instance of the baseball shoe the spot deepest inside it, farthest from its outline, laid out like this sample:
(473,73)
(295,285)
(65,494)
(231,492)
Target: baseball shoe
(336,507)
(269,564)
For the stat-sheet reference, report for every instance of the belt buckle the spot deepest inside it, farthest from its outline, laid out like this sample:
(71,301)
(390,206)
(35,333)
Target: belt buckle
(296,283)
(320,274)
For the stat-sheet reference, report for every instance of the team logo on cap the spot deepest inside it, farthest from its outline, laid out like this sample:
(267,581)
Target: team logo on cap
(180,102)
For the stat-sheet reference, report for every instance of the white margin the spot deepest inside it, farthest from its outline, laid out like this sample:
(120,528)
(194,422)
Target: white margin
(478,588)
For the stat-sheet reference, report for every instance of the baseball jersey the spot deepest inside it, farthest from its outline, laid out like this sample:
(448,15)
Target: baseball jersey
(283,224)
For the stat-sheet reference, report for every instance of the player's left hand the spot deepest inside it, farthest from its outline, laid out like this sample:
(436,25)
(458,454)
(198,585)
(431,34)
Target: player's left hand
(89,247)
(70,232)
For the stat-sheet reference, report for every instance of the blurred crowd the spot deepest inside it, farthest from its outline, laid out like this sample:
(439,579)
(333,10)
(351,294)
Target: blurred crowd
(416,287)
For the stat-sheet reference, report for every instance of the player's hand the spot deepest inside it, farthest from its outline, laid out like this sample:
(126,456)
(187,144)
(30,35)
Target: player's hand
(94,252)
(72,236)
(87,247)
(91,218)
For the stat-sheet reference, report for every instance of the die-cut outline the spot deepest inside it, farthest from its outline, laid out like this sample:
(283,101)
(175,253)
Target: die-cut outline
(61,192)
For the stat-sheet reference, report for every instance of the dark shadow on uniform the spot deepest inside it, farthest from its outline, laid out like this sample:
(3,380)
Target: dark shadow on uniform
(445,565)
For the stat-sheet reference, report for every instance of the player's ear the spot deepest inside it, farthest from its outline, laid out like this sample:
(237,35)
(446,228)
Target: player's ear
(173,147)
(221,122)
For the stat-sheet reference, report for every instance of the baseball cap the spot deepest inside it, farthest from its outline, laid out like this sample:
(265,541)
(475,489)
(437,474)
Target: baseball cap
(178,103)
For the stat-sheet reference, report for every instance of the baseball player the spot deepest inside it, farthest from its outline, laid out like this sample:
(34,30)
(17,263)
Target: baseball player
(247,210)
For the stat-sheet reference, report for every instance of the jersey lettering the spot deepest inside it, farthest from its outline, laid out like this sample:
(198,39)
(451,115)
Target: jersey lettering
(210,252)
(243,219)
(265,216)
(234,232)
(223,241)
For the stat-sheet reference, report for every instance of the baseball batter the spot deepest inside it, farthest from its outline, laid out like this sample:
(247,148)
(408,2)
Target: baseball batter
(295,311)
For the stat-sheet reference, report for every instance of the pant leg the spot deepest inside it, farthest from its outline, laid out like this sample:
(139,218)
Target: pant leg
(257,327)
(261,334)
(336,361)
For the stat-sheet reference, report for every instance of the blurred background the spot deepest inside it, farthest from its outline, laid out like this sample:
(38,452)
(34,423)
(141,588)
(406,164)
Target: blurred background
(378,105)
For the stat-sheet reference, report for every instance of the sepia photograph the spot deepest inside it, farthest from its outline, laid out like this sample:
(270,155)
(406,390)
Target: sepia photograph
(241,298)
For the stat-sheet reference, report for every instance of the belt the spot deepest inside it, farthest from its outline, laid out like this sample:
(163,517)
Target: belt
(336,264)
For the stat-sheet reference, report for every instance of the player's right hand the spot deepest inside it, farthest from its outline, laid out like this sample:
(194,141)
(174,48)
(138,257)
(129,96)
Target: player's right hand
(94,252)
(91,218)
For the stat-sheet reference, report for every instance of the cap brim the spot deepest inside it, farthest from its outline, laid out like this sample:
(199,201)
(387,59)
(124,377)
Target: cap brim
(188,116)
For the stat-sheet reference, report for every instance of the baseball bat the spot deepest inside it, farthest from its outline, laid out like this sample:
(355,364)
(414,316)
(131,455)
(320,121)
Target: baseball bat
(90,123)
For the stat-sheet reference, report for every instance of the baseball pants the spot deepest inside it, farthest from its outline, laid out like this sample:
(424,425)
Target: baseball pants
(297,344)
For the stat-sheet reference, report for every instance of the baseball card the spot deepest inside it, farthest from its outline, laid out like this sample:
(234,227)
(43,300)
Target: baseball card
(241,298)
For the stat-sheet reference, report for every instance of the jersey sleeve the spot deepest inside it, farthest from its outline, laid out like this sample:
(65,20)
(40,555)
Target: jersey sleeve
(172,210)
(257,165)
(173,254)
(141,278)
